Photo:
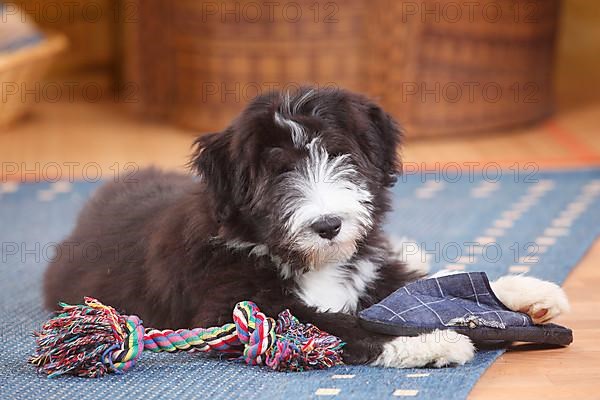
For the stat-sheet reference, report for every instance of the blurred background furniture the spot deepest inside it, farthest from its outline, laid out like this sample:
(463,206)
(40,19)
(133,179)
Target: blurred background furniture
(25,54)
(441,67)
(436,67)
(89,26)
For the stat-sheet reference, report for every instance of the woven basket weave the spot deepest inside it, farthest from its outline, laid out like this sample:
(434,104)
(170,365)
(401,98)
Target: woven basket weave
(199,70)
(485,73)
(201,74)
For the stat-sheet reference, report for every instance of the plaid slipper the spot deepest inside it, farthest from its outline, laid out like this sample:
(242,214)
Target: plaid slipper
(461,302)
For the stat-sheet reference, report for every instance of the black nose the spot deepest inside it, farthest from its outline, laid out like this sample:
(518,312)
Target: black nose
(327,227)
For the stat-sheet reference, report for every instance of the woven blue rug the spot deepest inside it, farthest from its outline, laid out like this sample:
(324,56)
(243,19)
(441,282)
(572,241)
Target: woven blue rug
(541,226)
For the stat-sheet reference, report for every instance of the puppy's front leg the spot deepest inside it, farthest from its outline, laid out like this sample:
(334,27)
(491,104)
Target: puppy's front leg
(438,348)
(540,299)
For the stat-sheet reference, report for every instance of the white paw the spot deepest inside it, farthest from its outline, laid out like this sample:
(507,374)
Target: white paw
(458,352)
(541,300)
(438,348)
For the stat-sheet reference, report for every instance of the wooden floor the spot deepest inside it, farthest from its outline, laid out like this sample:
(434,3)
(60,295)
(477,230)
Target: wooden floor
(83,139)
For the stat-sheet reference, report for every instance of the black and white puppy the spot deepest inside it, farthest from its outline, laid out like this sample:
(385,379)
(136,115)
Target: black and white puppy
(287,212)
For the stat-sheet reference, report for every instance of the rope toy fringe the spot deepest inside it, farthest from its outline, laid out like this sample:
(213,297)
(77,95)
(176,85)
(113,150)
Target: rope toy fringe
(93,339)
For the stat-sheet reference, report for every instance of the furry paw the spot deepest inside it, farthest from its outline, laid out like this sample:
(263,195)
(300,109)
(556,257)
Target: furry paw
(541,300)
(438,348)
(456,352)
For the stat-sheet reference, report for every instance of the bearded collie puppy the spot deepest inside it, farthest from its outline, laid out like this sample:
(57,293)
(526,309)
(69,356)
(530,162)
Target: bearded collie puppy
(285,209)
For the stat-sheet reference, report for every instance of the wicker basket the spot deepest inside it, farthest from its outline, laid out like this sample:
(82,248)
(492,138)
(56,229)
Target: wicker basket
(199,72)
(487,73)
(24,68)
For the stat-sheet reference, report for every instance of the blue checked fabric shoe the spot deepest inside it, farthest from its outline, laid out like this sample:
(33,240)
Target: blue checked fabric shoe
(461,302)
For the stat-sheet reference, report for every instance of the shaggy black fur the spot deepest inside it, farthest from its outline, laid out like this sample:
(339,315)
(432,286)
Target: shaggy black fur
(158,248)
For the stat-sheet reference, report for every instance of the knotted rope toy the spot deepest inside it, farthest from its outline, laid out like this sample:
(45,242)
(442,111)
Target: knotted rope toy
(93,339)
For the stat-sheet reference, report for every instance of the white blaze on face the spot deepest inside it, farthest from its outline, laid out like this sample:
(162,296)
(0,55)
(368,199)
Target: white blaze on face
(323,186)
(298,133)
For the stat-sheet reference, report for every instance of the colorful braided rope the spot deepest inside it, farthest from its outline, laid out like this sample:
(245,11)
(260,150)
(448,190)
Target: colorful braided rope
(93,339)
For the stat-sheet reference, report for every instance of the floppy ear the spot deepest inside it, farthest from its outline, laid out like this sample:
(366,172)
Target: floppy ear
(391,136)
(211,160)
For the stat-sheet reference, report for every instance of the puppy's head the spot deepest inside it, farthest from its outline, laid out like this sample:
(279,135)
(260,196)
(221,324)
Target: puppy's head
(304,173)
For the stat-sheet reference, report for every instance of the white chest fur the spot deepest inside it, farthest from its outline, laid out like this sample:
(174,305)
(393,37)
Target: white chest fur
(337,287)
